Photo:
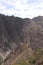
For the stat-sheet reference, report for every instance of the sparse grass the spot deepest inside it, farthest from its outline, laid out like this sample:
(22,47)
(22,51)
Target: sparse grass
(22,63)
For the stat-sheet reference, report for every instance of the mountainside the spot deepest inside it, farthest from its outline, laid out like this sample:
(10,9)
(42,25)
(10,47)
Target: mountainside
(17,34)
(35,58)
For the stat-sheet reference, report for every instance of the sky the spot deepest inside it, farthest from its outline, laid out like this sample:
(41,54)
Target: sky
(22,8)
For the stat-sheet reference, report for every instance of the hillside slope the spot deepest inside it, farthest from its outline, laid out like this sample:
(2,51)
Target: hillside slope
(35,58)
(17,33)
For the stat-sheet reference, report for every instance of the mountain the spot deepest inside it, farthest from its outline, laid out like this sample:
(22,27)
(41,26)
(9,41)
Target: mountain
(17,34)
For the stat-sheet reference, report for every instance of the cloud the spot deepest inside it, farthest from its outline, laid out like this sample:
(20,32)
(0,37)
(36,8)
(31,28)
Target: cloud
(22,8)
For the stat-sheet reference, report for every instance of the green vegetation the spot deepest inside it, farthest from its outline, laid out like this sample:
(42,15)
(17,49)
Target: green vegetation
(32,61)
(0,62)
(36,56)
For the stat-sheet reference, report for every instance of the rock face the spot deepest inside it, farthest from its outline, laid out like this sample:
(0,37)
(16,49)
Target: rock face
(15,31)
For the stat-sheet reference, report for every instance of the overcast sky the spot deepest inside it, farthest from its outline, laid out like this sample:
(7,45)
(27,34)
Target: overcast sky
(22,8)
